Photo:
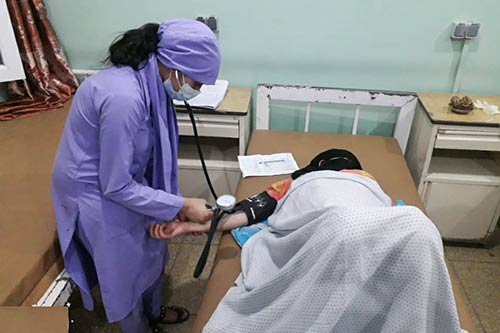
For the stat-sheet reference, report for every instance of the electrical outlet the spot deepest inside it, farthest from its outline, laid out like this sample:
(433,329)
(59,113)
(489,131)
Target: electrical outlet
(459,30)
(212,23)
(472,31)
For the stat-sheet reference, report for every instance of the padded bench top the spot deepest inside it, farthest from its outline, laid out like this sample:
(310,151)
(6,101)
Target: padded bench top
(29,244)
(380,156)
(27,319)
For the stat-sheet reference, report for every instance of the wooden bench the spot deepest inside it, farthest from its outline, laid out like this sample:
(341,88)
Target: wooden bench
(380,156)
(29,251)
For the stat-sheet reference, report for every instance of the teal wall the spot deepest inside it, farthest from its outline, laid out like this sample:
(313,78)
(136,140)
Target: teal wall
(385,44)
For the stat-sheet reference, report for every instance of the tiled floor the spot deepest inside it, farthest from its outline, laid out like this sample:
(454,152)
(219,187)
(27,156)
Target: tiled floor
(182,289)
(478,270)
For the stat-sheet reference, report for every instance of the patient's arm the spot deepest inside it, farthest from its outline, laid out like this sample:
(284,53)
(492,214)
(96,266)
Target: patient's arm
(251,210)
(231,221)
(176,228)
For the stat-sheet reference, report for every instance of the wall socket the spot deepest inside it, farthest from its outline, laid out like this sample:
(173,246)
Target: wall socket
(210,21)
(472,31)
(464,30)
(459,30)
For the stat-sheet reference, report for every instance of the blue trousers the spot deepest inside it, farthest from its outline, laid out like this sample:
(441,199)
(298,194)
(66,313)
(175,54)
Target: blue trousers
(148,307)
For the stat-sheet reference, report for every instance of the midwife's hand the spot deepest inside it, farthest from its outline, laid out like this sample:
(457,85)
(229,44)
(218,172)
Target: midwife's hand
(195,210)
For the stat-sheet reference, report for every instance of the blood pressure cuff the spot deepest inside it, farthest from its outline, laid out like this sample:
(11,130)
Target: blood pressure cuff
(332,159)
(257,208)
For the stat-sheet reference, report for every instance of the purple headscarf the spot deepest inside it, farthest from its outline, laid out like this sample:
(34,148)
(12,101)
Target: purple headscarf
(189,46)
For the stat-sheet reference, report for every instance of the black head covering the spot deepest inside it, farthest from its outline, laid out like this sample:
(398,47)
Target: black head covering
(332,159)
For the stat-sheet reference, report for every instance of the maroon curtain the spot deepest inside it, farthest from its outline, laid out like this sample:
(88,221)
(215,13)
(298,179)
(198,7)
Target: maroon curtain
(49,80)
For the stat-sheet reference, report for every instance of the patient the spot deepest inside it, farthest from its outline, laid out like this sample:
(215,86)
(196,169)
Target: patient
(337,257)
(259,207)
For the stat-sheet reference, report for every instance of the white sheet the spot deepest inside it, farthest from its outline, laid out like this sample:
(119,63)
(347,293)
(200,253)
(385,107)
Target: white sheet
(340,263)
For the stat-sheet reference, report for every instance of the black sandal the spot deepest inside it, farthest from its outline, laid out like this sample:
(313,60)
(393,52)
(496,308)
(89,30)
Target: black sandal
(182,315)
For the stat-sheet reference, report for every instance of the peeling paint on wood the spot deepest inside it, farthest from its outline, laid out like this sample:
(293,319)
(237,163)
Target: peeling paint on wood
(406,102)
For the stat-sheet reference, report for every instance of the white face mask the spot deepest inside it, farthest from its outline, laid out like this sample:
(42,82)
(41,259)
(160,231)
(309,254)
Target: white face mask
(186,92)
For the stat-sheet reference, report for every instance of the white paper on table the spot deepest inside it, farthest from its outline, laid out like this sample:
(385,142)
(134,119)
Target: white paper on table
(267,165)
(210,95)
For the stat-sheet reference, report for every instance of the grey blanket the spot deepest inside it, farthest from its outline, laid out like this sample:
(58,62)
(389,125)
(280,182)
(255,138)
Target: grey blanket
(339,258)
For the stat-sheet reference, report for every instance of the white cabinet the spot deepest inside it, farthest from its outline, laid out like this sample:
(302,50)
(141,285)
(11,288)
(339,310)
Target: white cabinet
(223,136)
(454,161)
(470,212)
(462,192)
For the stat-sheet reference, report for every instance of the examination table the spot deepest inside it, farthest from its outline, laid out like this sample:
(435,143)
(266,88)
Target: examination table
(380,156)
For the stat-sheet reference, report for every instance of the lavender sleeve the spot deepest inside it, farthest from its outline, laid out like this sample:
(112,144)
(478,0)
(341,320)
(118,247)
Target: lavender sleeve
(120,120)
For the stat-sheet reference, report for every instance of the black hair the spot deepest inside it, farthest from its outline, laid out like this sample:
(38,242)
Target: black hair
(332,159)
(133,47)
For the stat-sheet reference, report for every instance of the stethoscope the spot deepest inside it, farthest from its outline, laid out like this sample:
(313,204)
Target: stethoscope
(225,204)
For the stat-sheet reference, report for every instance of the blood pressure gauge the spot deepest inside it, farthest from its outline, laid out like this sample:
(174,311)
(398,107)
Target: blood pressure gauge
(226,202)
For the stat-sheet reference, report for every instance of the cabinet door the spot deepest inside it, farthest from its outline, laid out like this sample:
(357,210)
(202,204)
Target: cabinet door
(462,211)
(192,182)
